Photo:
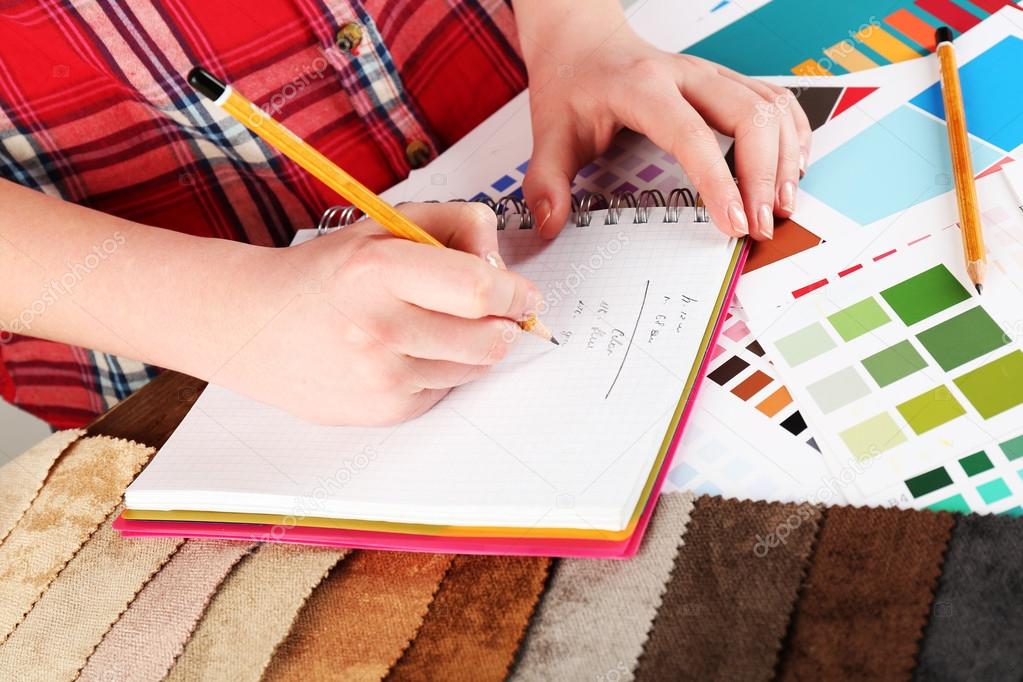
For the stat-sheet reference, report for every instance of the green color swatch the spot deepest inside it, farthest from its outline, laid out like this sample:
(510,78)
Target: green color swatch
(956,504)
(925,294)
(930,409)
(928,482)
(993,491)
(805,344)
(1013,448)
(838,390)
(977,463)
(873,436)
(858,319)
(962,338)
(1015,511)
(995,387)
(894,363)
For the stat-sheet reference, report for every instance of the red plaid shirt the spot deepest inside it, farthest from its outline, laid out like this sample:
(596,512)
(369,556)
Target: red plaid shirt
(94,108)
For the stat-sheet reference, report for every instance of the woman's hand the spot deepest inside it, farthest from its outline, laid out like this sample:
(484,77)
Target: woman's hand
(365,328)
(590,75)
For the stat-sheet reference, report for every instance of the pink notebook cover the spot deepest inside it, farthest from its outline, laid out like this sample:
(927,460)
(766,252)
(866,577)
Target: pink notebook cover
(401,542)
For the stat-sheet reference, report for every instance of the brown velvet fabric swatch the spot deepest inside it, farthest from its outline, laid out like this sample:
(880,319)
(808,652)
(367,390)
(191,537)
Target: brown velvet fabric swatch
(732,590)
(361,618)
(867,594)
(476,621)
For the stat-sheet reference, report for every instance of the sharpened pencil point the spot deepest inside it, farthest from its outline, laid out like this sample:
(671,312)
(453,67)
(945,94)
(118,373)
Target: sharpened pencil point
(555,341)
(980,288)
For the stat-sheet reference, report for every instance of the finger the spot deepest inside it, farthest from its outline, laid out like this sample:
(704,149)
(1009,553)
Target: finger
(463,225)
(547,186)
(449,281)
(675,126)
(439,374)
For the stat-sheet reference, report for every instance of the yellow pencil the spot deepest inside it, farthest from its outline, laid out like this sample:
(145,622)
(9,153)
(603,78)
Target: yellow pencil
(962,166)
(296,149)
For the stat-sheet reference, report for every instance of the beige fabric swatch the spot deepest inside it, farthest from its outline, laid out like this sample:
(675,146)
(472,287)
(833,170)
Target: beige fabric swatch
(252,613)
(70,618)
(595,615)
(144,642)
(82,489)
(22,477)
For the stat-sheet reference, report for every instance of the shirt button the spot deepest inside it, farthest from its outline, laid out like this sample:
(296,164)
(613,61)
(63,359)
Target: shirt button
(418,153)
(349,37)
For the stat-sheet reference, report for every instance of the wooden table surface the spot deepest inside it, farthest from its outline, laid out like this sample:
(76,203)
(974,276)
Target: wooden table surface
(150,415)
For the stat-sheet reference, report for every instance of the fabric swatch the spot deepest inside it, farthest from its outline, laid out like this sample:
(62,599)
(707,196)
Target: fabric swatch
(361,618)
(476,621)
(976,626)
(731,593)
(76,610)
(22,477)
(252,613)
(595,615)
(867,594)
(142,645)
(82,489)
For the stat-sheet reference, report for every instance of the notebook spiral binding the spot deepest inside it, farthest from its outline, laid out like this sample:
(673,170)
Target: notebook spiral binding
(509,207)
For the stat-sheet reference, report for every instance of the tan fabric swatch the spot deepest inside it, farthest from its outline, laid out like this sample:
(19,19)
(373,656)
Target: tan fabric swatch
(82,489)
(867,595)
(143,644)
(78,607)
(735,581)
(22,477)
(361,618)
(476,621)
(595,615)
(252,613)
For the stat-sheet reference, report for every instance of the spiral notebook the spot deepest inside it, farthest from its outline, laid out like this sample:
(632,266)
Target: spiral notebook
(555,445)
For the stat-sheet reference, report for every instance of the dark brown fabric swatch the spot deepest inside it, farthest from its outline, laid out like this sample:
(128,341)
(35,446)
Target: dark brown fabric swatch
(477,620)
(976,626)
(361,618)
(867,594)
(735,581)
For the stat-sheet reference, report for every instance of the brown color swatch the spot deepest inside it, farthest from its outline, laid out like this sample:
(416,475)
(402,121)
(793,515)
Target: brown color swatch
(752,385)
(82,489)
(476,621)
(867,594)
(725,610)
(789,238)
(358,622)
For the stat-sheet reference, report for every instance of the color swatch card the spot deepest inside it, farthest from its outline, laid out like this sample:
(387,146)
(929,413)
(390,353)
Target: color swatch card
(912,382)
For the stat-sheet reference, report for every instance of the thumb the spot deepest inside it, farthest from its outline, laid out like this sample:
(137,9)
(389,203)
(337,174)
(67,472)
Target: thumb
(548,183)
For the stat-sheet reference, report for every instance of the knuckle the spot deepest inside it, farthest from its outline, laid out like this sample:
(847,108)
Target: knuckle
(483,288)
(647,69)
(370,257)
(387,379)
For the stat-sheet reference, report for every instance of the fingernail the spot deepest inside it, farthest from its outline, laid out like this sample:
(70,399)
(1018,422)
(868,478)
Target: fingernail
(737,218)
(765,221)
(495,260)
(787,196)
(543,213)
(802,164)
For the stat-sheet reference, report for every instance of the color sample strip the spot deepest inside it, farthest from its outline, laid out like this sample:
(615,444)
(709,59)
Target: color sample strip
(894,363)
(737,331)
(838,390)
(361,618)
(962,338)
(976,631)
(794,423)
(728,370)
(751,385)
(930,409)
(776,402)
(22,477)
(1012,448)
(810,67)
(805,344)
(252,612)
(145,640)
(929,481)
(789,237)
(564,641)
(886,45)
(61,519)
(477,620)
(956,504)
(914,28)
(858,319)
(873,436)
(92,591)
(949,13)
(693,636)
(977,463)
(995,387)
(994,491)
(848,57)
(868,562)
(992,6)
(926,294)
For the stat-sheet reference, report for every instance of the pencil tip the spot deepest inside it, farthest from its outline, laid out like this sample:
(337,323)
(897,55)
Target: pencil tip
(555,341)
(980,288)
